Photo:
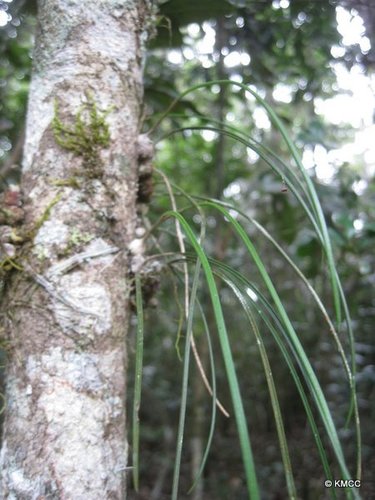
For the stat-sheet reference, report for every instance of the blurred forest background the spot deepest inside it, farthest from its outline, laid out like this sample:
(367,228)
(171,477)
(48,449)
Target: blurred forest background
(313,61)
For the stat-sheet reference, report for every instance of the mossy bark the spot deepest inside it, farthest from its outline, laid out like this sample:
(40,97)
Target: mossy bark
(65,316)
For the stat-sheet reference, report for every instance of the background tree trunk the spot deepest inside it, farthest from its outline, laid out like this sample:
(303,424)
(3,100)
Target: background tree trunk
(64,428)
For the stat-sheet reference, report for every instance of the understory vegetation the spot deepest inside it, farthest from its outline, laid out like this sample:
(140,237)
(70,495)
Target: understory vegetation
(250,358)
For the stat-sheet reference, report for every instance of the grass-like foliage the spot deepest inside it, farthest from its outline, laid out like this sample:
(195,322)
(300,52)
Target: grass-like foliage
(264,311)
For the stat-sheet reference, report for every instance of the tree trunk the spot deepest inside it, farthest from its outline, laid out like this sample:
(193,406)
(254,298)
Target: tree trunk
(66,312)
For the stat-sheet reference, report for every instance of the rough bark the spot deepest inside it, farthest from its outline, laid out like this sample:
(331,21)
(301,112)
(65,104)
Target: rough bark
(66,313)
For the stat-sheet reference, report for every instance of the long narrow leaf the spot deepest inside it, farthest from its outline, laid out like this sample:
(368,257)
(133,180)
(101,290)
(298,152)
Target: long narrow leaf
(247,456)
(185,380)
(353,409)
(269,316)
(138,379)
(312,380)
(214,399)
(273,396)
(310,188)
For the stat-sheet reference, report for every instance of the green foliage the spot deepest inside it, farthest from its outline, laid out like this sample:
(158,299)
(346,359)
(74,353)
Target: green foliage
(292,47)
(268,307)
(288,46)
(247,454)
